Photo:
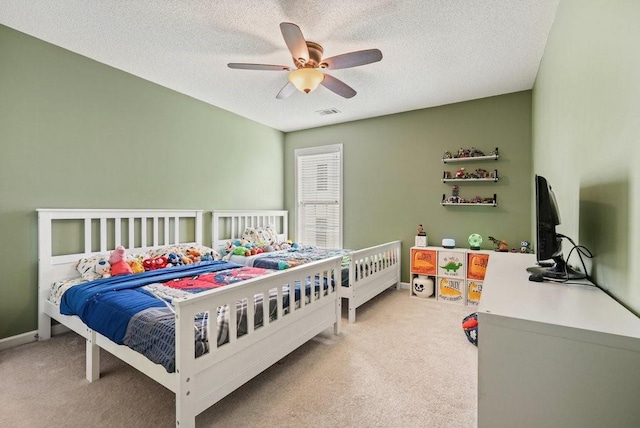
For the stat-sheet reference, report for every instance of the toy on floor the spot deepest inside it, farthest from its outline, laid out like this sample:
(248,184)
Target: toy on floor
(470,327)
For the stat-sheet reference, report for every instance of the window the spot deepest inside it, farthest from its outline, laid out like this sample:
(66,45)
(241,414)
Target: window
(319,196)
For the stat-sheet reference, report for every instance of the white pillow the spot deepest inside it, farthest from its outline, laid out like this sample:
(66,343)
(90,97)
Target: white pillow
(256,235)
(86,266)
(268,233)
(251,235)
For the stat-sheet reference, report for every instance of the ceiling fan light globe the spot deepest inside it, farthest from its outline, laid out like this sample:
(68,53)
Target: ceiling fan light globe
(306,79)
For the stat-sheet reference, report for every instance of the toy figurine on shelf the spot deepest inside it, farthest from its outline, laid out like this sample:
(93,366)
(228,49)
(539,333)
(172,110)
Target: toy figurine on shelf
(525,247)
(421,237)
(455,190)
(499,245)
(473,152)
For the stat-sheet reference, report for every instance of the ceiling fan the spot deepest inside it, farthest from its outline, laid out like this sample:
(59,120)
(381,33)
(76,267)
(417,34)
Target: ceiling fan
(307,58)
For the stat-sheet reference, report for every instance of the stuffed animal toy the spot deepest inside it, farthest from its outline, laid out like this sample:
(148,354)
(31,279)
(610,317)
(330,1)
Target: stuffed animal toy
(136,265)
(103,268)
(239,251)
(229,250)
(160,262)
(118,262)
(174,259)
(148,264)
(194,254)
(155,263)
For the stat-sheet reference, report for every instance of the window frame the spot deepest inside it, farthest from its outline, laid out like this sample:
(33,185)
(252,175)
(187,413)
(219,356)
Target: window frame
(319,150)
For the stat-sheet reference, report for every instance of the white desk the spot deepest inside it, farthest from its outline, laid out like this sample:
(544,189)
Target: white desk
(554,355)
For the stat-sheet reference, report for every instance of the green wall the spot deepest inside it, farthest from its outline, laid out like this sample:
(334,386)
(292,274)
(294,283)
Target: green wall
(75,133)
(393,169)
(586,134)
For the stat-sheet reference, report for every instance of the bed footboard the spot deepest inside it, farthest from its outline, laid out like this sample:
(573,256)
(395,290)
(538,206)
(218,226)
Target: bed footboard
(204,380)
(371,271)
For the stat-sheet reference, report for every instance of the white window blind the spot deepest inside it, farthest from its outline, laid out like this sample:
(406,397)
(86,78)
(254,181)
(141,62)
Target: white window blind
(319,196)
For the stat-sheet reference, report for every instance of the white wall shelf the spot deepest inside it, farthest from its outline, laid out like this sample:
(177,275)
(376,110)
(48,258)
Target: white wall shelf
(468,180)
(493,156)
(493,203)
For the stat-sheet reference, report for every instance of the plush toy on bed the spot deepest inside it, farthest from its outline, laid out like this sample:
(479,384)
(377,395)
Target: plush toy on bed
(174,259)
(229,248)
(155,263)
(241,251)
(118,262)
(136,265)
(194,254)
(103,268)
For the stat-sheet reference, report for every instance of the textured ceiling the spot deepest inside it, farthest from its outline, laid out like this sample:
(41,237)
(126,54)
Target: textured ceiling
(435,52)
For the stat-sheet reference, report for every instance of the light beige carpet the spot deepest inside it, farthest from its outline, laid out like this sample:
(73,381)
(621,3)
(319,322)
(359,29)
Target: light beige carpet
(405,363)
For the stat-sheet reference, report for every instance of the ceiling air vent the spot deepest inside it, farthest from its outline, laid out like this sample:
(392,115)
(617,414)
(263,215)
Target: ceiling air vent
(327,111)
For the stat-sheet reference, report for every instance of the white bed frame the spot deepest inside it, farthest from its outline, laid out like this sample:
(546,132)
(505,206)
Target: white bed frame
(371,271)
(198,383)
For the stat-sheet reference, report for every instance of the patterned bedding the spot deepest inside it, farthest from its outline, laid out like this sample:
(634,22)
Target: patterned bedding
(303,254)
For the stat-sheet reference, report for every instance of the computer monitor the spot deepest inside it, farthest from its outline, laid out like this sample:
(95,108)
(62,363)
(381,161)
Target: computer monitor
(548,241)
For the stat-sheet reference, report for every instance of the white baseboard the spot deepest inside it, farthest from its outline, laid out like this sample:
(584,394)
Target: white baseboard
(20,339)
(404,285)
(28,337)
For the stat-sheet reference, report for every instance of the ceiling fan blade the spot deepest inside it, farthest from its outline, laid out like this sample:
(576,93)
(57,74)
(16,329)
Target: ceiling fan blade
(295,40)
(352,59)
(244,66)
(338,86)
(286,91)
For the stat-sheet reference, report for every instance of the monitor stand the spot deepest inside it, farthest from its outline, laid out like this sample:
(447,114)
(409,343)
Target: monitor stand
(559,271)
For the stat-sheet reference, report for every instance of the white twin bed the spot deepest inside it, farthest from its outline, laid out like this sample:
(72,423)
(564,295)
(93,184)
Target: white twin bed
(201,379)
(371,270)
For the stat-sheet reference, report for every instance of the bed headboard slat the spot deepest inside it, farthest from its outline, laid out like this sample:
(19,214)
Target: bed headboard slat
(87,236)
(103,235)
(109,234)
(228,225)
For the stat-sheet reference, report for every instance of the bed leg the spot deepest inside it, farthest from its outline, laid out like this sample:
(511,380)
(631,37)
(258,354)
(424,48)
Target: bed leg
(352,314)
(182,419)
(93,358)
(337,326)
(44,327)
(186,423)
